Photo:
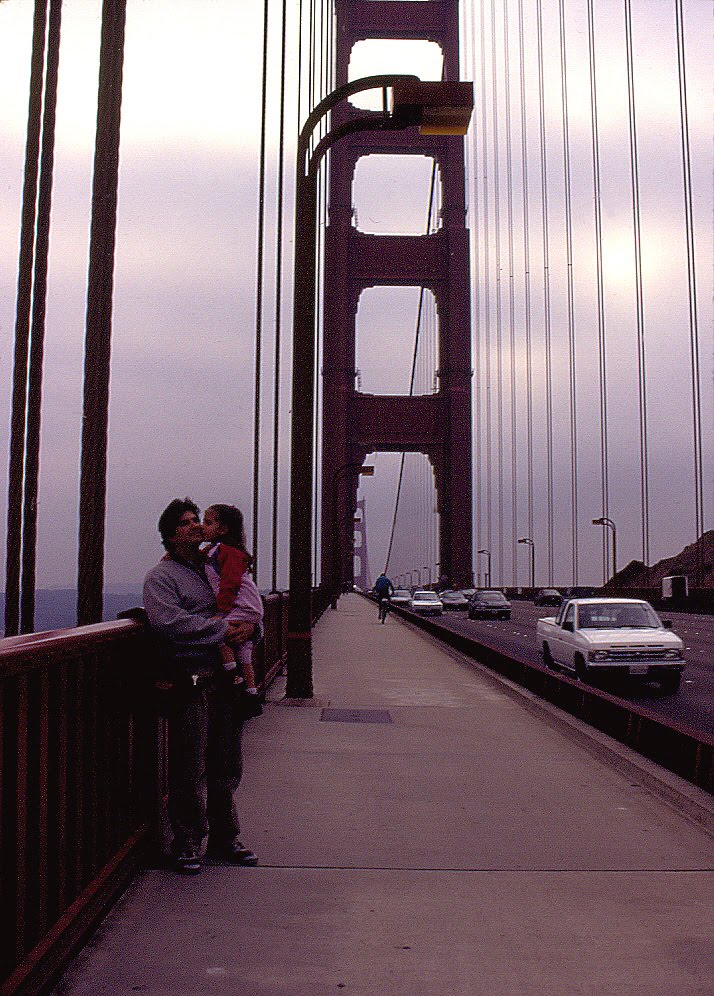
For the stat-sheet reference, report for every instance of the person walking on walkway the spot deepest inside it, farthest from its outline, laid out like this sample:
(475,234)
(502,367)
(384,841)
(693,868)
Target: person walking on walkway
(205,721)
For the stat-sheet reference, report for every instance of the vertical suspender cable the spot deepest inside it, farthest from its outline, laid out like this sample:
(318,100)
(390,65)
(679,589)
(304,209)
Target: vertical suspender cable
(412,376)
(97,349)
(299,66)
(641,364)
(37,335)
(310,59)
(499,330)
(259,298)
(323,70)
(546,289)
(486,286)
(692,285)
(602,341)
(326,87)
(526,269)
(22,324)
(571,297)
(511,300)
(315,96)
(319,83)
(278,300)
(477,309)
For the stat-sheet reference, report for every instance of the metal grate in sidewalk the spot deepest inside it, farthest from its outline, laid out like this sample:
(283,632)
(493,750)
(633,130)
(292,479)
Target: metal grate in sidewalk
(355,716)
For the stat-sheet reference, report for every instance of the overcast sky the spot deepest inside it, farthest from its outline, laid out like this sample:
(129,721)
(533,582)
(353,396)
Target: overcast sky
(184,316)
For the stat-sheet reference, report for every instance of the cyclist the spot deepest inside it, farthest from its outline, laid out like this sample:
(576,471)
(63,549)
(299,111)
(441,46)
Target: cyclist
(383,588)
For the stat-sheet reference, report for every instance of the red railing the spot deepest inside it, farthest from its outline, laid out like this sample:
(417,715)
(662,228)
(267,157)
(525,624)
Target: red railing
(82,779)
(80,771)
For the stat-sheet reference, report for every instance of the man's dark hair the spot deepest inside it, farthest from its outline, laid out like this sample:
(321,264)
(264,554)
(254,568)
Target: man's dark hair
(171,516)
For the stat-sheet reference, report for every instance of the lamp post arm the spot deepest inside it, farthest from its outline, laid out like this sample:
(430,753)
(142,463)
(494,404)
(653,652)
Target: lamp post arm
(334,98)
(349,128)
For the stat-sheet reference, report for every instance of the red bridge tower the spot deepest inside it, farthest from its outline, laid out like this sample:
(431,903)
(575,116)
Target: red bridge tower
(355,423)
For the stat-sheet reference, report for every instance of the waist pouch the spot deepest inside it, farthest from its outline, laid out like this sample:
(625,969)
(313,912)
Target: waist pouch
(160,679)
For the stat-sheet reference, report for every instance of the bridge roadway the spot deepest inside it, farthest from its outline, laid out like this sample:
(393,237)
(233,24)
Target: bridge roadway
(692,704)
(471,844)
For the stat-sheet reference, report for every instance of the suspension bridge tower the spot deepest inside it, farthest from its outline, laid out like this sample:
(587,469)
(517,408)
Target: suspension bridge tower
(357,423)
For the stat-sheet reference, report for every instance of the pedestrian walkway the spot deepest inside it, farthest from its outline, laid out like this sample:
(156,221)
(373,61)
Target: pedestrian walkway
(430,832)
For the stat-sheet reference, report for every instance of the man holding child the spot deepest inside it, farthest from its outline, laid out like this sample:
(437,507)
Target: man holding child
(205,723)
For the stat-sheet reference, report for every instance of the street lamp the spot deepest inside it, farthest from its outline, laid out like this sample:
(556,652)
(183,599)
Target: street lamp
(604,521)
(488,567)
(437,108)
(363,470)
(531,544)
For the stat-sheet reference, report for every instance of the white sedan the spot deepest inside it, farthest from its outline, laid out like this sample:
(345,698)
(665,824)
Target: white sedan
(426,603)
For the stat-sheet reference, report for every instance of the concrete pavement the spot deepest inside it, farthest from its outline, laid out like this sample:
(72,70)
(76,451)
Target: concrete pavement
(438,834)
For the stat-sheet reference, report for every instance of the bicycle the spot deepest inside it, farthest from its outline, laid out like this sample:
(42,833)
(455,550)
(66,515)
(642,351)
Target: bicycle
(383,609)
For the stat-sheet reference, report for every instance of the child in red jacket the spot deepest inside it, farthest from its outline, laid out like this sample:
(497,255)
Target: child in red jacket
(237,597)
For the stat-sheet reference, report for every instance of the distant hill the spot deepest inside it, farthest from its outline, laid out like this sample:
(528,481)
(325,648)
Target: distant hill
(638,575)
(56,608)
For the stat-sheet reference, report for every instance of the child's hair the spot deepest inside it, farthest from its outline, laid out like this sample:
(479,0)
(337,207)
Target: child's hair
(232,518)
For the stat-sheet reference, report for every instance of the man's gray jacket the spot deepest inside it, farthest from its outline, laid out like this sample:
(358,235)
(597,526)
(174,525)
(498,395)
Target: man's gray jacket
(180,603)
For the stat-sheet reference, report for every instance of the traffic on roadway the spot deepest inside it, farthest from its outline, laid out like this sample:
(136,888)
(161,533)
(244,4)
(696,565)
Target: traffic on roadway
(691,705)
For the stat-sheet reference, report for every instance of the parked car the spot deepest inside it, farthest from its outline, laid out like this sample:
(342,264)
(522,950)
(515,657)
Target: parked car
(548,596)
(612,635)
(467,592)
(489,605)
(401,596)
(426,603)
(454,601)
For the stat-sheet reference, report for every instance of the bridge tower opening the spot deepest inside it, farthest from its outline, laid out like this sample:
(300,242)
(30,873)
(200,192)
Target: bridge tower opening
(363,576)
(356,423)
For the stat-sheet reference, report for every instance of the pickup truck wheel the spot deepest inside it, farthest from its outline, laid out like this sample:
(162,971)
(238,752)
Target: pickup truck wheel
(580,668)
(548,657)
(670,683)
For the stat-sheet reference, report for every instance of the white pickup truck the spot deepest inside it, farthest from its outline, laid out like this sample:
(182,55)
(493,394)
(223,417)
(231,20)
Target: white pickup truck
(615,635)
